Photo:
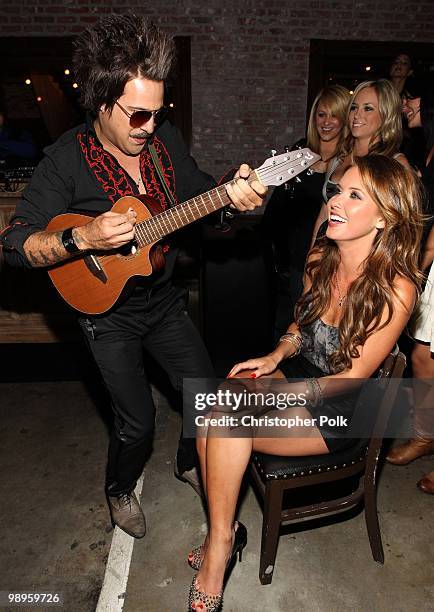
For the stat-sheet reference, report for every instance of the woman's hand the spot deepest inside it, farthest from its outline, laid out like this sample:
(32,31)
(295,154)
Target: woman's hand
(259,366)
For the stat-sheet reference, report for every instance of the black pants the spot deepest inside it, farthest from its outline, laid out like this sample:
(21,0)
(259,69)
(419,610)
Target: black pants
(153,321)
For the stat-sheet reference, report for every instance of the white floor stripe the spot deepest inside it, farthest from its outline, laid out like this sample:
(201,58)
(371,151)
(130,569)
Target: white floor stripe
(114,586)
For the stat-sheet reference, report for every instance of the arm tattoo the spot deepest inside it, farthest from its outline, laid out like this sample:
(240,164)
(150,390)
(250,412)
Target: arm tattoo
(45,260)
(77,238)
(56,255)
(45,249)
(34,260)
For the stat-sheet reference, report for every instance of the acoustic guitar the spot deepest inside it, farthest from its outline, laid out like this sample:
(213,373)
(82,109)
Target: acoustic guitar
(93,281)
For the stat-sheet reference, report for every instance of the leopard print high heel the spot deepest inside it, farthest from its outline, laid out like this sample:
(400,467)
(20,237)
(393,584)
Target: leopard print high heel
(199,601)
(195,557)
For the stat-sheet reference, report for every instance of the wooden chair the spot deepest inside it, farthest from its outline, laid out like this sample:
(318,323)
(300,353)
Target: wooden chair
(274,475)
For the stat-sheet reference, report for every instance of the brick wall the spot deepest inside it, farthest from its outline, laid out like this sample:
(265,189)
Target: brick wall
(249,58)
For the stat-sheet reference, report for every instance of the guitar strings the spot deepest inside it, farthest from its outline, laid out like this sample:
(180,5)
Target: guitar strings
(185,207)
(263,172)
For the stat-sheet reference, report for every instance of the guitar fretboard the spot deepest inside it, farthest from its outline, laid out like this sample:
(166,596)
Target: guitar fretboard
(274,171)
(163,224)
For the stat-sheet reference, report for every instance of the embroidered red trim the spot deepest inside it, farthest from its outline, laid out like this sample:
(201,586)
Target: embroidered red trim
(11,225)
(114,179)
(108,172)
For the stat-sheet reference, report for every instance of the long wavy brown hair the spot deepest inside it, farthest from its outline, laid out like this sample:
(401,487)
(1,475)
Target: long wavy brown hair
(394,253)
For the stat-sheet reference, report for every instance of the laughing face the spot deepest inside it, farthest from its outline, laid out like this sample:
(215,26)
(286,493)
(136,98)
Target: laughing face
(411,109)
(115,131)
(352,214)
(328,125)
(364,117)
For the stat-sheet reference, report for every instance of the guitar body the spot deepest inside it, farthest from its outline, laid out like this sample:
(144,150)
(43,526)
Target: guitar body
(89,289)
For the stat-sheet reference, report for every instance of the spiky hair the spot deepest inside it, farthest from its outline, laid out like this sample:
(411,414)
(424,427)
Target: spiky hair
(117,49)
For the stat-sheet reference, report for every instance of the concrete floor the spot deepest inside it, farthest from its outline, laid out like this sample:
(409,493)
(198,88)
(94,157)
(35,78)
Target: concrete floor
(327,569)
(56,531)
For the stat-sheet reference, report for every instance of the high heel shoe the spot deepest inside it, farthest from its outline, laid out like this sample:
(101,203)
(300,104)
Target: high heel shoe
(196,556)
(199,601)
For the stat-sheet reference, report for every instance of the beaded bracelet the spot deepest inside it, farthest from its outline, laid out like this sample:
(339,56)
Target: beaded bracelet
(315,392)
(295,340)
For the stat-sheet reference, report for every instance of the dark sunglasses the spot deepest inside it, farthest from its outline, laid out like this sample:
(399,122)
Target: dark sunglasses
(140,117)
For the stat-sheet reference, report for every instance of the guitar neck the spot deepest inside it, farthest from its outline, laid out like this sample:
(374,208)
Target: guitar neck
(274,171)
(163,224)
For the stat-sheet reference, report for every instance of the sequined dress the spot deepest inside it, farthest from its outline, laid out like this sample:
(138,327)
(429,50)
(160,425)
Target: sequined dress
(320,341)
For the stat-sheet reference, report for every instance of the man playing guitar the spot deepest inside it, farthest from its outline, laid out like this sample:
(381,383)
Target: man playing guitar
(121,65)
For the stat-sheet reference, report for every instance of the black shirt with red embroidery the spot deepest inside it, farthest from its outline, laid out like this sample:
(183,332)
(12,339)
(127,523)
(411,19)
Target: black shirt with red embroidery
(77,175)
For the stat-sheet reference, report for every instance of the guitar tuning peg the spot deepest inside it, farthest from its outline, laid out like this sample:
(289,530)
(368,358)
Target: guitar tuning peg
(287,149)
(273,152)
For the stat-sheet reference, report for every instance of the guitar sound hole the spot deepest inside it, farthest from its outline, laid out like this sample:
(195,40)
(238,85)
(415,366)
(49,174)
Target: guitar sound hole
(129,249)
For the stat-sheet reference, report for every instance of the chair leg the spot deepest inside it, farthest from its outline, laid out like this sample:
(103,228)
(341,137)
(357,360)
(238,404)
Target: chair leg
(372,524)
(270,531)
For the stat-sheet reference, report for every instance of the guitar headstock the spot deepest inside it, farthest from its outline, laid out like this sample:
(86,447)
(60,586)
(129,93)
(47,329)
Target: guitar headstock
(278,169)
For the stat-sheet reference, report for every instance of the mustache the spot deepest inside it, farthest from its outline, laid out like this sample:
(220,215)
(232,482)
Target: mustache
(142,134)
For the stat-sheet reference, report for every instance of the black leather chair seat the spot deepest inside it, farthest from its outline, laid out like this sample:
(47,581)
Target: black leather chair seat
(272,467)
(275,476)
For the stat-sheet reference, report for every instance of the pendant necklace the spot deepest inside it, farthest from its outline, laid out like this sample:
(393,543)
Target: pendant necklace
(341,297)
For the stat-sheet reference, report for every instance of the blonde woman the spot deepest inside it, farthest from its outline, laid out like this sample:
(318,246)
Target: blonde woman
(327,117)
(373,125)
(362,281)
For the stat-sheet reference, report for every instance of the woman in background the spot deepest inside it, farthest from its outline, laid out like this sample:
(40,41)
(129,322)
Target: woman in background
(400,70)
(419,109)
(292,209)
(373,125)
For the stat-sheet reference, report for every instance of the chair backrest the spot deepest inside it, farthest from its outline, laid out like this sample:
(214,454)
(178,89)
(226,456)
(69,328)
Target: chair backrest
(392,370)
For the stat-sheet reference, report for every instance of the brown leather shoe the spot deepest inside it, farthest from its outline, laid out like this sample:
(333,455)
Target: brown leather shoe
(191,477)
(127,514)
(409,451)
(426,484)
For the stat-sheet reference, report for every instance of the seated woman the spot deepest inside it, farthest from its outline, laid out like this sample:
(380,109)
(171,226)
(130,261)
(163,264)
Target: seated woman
(361,283)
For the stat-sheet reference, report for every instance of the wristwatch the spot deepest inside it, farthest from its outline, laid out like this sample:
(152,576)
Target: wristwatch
(69,242)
